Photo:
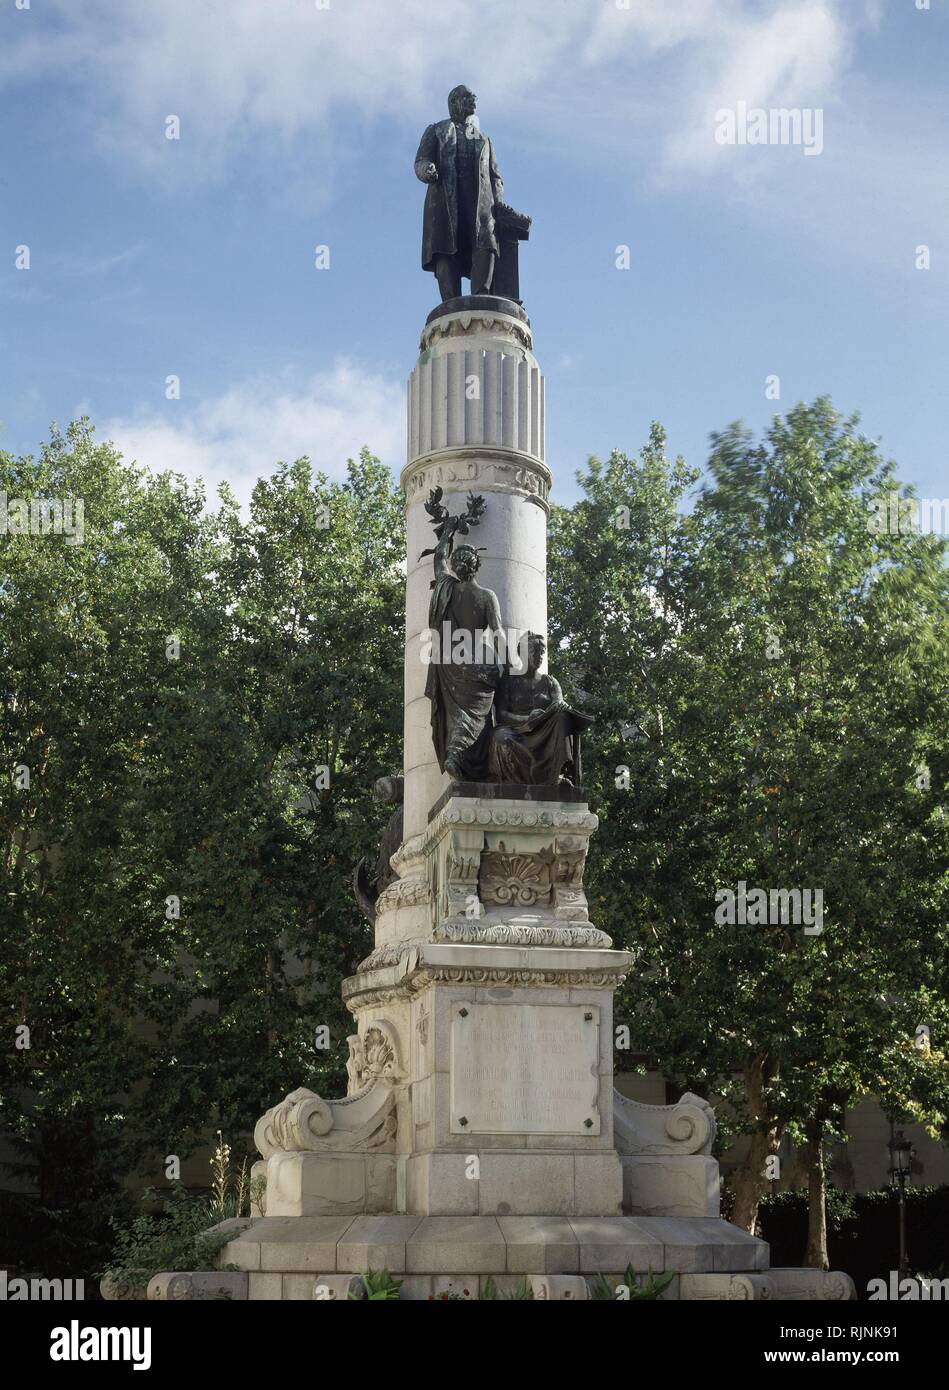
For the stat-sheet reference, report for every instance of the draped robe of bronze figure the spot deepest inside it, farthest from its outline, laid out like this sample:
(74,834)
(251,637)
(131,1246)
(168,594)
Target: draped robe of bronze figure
(465,667)
(537,737)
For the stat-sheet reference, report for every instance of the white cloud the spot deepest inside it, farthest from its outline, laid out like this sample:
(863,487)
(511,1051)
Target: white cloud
(794,56)
(240,435)
(240,71)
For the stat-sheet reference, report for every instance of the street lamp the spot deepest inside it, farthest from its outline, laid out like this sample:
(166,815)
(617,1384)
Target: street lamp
(901,1158)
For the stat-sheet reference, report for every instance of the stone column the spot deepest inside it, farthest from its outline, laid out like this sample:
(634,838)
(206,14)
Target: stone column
(487,967)
(475,424)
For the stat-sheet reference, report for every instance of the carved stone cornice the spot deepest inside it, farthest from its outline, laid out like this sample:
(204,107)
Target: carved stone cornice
(403,969)
(361,992)
(556,979)
(583,938)
(526,816)
(579,936)
(517,934)
(473,323)
(490,467)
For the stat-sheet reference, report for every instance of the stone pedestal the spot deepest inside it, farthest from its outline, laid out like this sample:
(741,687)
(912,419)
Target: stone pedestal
(507,1106)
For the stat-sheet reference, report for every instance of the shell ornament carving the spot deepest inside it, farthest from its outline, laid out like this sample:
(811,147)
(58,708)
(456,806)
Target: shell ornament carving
(515,880)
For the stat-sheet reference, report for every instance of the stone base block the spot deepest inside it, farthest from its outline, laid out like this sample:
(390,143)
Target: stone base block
(560,1286)
(287,1244)
(319,1257)
(811,1284)
(216,1285)
(328,1184)
(506,1183)
(348,1287)
(816,1285)
(376,1242)
(731,1287)
(438,1184)
(667,1185)
(289,1257)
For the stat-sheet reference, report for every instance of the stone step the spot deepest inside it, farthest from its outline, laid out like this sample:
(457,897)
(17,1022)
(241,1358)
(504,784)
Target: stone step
(445,1245)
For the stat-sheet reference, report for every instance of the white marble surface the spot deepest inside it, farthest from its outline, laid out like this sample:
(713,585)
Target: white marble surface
(524,1069)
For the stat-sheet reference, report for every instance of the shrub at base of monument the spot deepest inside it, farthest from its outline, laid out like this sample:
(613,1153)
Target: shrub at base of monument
(177,1237)
(378,1286)
(630,1290)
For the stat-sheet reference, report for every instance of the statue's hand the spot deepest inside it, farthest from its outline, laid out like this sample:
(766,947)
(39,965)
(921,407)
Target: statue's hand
(430,173)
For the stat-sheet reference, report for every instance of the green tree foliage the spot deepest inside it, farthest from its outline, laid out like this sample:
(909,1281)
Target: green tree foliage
(176,903)
(773,673)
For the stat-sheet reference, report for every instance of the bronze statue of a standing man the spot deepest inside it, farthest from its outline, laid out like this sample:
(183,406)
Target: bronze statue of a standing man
(458,233)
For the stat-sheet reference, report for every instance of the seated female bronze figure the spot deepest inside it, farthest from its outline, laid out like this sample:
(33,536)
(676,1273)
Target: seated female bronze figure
(536,738)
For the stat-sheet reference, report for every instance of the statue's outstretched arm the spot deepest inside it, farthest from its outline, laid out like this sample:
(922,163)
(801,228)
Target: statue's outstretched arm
(443,550)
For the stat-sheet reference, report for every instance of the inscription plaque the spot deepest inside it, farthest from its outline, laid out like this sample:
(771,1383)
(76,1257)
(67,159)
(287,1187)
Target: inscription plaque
(524,1069)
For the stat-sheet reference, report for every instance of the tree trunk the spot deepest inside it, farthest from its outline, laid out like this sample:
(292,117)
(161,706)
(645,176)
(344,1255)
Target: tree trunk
(816,1254)
(749,1179)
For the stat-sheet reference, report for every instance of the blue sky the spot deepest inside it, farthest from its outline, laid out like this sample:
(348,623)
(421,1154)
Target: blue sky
(299,125)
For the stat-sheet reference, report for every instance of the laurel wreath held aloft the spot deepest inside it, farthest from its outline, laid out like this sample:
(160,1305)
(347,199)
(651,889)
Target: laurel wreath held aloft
(447,526)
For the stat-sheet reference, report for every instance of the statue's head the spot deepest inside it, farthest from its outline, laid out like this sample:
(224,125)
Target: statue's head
(466,562)
(461,103)
(531,648)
